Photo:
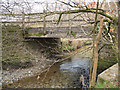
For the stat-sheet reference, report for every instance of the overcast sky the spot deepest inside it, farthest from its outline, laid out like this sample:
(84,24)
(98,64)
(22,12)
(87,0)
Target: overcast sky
(39,5)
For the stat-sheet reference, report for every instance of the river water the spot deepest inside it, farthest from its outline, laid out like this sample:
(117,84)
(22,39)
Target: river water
(65,74)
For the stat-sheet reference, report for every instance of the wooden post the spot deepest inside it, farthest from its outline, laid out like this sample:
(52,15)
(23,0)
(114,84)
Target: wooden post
(69,32)
(1,55)
(119,41)
(23,23)
(44,22)
(23,20)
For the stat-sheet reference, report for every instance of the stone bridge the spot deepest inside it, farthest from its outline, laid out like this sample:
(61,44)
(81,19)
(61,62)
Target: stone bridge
(59,39)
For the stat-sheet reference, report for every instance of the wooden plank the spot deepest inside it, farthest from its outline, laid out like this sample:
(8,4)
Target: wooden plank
(38,37)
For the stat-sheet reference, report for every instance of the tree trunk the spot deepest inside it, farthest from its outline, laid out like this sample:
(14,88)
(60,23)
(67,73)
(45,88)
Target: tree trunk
(94,30)
(95,56)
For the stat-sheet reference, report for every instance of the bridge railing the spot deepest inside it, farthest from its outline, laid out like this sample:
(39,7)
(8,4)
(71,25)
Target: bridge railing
(46,23)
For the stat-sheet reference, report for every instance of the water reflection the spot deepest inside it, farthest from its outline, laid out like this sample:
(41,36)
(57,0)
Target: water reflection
(75,64)
(77,67)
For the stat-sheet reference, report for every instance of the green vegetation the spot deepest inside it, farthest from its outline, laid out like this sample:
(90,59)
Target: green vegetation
(67,47)
(105,84)
(105,63)
(41,34)
(74,34)
(26,30)
(88,43)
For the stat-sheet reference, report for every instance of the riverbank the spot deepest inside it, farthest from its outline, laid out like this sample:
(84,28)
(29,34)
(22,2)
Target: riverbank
(12,76)
(15,75)
(60,75)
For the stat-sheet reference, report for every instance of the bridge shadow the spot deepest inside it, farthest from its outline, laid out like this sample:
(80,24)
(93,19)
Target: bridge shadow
(48,47)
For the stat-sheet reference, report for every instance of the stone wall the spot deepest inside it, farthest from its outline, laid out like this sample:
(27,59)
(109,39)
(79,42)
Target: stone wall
(110,75)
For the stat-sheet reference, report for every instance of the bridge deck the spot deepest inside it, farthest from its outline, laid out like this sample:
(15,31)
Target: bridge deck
(40,37)
(59,32)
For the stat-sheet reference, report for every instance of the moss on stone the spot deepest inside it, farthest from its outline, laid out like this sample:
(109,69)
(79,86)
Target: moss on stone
(41,34)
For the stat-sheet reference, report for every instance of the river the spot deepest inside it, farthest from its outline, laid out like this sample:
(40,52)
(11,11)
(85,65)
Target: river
(65,74)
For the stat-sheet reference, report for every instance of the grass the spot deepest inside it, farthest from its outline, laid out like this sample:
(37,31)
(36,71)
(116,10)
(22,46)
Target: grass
(66,47)
(104,85)
(100,85)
